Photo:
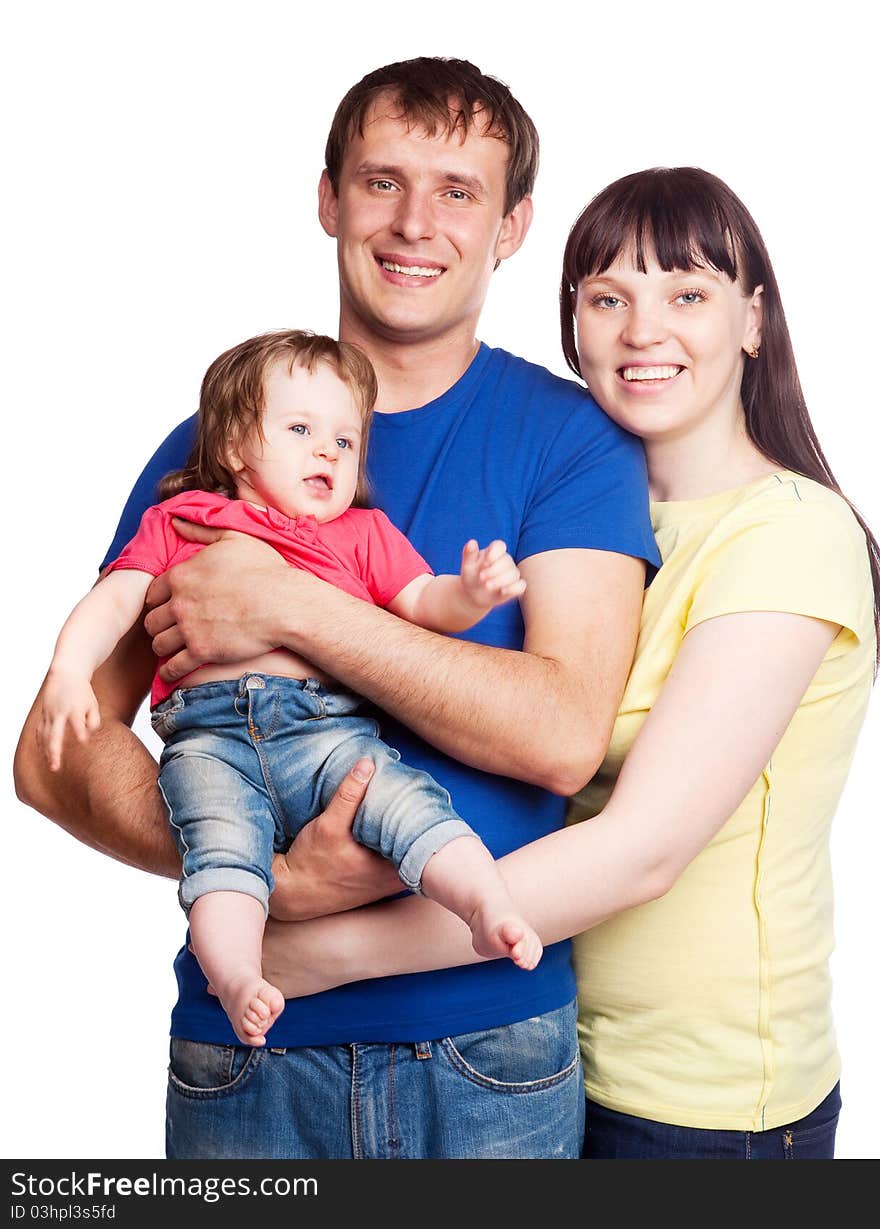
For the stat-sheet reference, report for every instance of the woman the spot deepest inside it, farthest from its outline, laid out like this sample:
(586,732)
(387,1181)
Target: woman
(705,1006)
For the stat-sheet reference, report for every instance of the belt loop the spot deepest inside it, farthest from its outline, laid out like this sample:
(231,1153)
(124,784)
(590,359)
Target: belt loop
(423,1050)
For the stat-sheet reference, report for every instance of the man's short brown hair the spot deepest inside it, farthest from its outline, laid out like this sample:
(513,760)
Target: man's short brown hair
(442,96)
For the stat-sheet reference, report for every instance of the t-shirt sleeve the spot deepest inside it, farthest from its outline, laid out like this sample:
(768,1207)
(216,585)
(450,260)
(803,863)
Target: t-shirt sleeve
(592,491)
(171,454)
(803,556)
(152,546)
(391,562)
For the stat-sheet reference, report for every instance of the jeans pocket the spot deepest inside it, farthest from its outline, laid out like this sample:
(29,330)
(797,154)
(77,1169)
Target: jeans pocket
(812,1139)
(162,716)
(528,1056)
(199,1069)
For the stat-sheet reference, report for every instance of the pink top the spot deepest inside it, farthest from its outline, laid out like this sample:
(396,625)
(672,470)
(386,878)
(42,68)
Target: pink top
(360,552)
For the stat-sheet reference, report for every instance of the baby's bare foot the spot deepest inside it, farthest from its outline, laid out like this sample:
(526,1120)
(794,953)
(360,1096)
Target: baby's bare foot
(253,1006)
(507,936)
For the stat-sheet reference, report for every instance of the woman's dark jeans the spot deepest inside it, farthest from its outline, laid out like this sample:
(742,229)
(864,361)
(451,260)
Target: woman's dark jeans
(613,1136)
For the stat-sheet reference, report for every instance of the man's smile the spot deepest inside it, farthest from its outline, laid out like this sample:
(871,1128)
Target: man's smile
(409,270)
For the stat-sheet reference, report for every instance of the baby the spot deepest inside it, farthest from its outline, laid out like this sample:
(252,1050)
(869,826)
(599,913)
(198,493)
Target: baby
(254,749)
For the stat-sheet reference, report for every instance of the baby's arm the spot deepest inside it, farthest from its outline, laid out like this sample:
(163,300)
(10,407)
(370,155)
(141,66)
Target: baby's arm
(488,578)
(87,639)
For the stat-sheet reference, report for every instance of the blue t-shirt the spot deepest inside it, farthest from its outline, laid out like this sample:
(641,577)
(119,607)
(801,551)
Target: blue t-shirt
(512,452)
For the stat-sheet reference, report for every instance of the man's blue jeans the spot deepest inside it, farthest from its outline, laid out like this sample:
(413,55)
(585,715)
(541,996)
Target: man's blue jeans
(248,762)
(509,1092)
(611,1136)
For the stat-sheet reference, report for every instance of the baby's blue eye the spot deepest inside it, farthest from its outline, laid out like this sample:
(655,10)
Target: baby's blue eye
(300,428)
(343,443)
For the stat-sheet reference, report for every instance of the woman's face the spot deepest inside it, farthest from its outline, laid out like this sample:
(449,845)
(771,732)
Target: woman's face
(663,353)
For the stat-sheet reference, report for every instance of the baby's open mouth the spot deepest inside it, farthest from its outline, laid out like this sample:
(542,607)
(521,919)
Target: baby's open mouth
(319,482)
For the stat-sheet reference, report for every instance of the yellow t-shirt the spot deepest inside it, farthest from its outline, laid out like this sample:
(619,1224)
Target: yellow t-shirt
(711,1007)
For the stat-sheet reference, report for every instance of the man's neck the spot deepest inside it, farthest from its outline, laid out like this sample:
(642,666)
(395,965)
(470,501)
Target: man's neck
(412,374)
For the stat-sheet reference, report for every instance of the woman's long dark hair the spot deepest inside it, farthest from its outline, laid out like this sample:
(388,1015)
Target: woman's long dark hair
(688,219)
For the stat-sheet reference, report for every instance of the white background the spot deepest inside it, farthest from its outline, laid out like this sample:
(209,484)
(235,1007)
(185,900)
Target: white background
(160,197)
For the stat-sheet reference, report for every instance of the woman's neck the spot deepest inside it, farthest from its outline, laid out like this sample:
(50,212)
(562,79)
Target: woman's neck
(704,462)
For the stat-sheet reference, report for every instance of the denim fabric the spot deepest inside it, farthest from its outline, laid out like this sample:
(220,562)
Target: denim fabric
(247,763)
(613,1136)
(510,1092)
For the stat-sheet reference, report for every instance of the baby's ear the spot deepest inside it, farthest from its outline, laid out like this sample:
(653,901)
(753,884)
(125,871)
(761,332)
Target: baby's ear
(233,461)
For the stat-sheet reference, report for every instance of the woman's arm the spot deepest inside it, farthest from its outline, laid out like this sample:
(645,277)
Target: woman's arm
(726,703)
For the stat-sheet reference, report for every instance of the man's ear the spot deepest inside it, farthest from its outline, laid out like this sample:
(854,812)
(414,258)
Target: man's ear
(328,205)
(514,228)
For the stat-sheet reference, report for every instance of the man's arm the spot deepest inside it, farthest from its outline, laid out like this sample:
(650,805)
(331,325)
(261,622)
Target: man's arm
(543,715)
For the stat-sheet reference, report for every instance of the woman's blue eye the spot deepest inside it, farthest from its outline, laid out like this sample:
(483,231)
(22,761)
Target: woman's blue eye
(607,301)
(688,297)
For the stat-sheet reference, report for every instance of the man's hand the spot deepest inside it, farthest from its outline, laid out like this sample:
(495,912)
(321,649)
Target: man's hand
(218,605)
(326,870)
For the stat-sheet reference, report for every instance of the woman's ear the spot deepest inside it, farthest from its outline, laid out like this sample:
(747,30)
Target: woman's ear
(754,322)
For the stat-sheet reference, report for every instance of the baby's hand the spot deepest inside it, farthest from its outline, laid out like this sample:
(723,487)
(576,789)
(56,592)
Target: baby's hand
(489,576)
(68,700)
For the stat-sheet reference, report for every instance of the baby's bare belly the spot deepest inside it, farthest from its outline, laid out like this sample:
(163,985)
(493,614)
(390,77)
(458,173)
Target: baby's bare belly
(278,661)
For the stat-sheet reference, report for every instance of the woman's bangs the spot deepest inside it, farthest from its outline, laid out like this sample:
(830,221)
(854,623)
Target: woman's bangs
(661,216)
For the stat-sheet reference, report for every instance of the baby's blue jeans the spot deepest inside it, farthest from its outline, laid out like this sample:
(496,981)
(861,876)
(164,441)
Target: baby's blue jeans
(247,763)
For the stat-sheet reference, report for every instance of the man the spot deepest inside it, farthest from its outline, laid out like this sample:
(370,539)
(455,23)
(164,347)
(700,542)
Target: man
(429,169)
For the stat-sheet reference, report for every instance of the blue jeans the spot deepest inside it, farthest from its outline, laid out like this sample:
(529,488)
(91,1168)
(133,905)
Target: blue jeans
(247,763)
(509,1092)
(611,1136)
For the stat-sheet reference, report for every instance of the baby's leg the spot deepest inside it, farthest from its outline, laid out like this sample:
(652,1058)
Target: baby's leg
(463,877)
(409,818)
(226,929)
(224,826)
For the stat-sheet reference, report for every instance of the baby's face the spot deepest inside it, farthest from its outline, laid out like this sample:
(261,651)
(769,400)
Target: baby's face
(307,462)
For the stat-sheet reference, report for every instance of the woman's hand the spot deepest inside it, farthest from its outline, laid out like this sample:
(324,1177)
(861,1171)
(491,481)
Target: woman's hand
(303,958)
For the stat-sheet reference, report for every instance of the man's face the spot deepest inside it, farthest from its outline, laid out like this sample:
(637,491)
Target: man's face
(419,224)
